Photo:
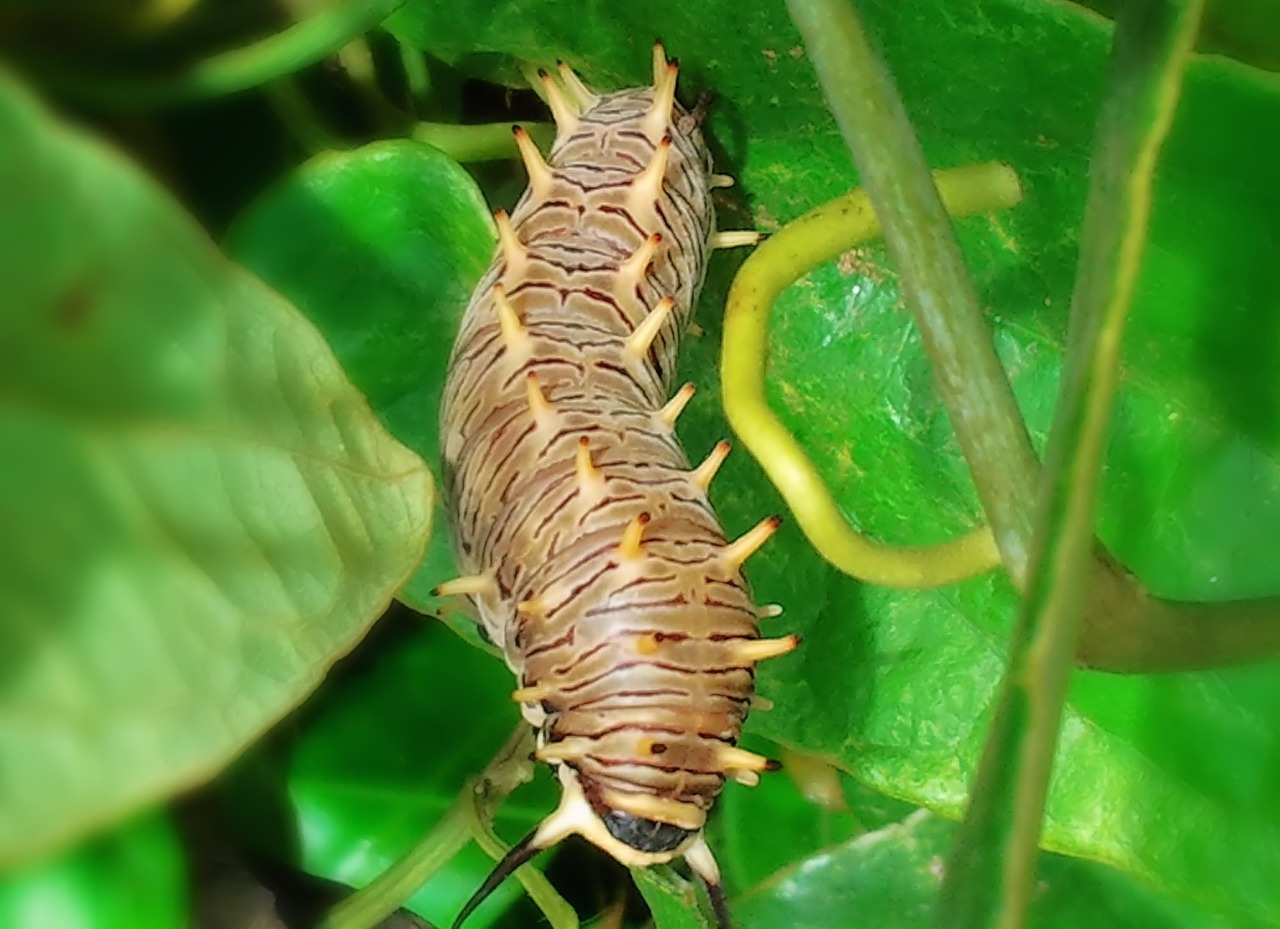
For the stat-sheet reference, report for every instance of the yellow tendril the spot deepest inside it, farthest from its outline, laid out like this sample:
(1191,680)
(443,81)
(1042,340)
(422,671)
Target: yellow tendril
(817,237)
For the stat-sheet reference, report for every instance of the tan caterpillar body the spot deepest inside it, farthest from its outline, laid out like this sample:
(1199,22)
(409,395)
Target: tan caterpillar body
(590,549)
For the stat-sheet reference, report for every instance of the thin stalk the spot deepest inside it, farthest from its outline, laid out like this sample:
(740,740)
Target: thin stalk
(483,142)
(373,903)
(992,873)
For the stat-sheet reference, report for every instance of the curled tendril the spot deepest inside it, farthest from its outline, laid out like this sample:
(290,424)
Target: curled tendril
(817,237)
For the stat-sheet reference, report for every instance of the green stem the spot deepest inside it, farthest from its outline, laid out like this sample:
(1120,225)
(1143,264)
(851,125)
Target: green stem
(372,904)
(293,49)
(800,246)
(992,874)
(301,119)
(485,142)
(417,76)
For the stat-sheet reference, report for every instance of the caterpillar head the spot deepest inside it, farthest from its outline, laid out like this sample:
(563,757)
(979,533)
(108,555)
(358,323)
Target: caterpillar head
(629,836)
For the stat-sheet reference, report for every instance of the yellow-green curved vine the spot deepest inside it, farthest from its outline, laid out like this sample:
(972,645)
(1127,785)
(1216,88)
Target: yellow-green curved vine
(817,237)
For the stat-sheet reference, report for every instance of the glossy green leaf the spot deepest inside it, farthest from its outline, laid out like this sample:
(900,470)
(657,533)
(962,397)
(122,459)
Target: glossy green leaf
(380,247)
(132,878)
(788,863)
(890,877)
(201,512)
(1163,777)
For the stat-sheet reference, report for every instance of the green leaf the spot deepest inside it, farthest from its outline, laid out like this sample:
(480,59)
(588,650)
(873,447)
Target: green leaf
(201,512)
(380,247)
(889,878)
(132,878)
(672,900)
(1163,777)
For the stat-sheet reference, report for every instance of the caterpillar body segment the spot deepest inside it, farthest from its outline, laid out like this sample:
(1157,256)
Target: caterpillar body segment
(585,537)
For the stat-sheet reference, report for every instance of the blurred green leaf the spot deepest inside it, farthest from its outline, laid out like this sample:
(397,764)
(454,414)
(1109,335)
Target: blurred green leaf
(380,247)
(1164,777)
(201,512)
(378,759)
(132,878)
(318,35)
(1248,30)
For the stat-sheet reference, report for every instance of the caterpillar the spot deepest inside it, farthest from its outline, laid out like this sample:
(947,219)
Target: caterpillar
(587,543)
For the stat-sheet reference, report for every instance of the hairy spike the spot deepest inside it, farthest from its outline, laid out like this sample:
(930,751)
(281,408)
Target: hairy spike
(641,339)
(749,651)
(583,95)
(746,545)
(762,704)
(659,63)
(706,472)
(735,238)
(570,749)
(632,271)
(746,778)
(515,338)
(562,109)
(543,412)
(658,119)
(646,187)
(768,611)
(630,546)
(731,758)
(540,176)
(513,251)
(721,180)
(481,585)
(590,478)
(675,406)
(535,694)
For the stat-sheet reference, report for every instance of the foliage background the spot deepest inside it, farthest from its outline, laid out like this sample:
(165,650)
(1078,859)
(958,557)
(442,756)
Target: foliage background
(1166,793)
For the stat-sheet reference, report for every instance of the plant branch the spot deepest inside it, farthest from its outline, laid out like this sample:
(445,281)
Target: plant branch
(372,904)
(992,872)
